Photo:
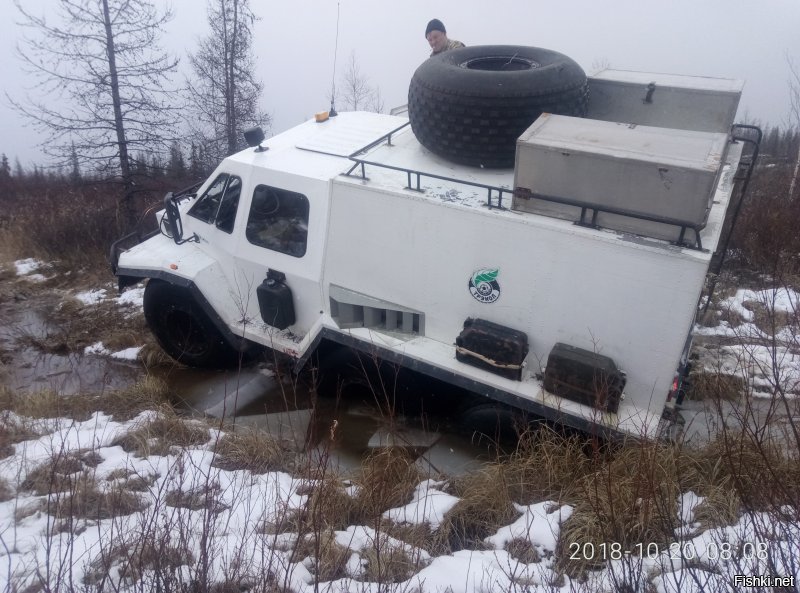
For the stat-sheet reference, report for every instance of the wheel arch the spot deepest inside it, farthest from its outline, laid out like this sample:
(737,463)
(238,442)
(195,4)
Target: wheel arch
(129,277)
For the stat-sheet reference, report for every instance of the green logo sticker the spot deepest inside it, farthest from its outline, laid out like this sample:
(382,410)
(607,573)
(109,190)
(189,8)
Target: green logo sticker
(483,285)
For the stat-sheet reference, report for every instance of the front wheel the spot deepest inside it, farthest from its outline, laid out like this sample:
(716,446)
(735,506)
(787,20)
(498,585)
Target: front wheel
(183,329)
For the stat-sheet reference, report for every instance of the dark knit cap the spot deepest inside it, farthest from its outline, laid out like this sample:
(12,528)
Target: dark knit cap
(435,25)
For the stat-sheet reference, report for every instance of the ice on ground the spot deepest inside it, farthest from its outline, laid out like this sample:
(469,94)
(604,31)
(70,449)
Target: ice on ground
(26,266)
(127,353)
(429,505)
(97,348)
(91,297)
(131,297)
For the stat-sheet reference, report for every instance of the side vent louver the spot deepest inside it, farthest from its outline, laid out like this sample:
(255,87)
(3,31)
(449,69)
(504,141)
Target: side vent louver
(351,309)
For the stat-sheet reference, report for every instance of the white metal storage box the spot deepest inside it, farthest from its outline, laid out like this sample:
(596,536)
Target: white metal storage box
(641,179)
(666,100)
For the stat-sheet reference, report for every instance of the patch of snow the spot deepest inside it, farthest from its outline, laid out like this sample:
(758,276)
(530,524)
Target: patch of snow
(361,537)
(687,503)
(91,297)
(132,297)
(429,505)
(26,266)
(97,348)
(469,571)
(127,354)
(780,299)
(540,524)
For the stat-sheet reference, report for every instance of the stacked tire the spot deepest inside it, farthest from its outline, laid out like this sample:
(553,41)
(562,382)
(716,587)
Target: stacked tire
(470,105)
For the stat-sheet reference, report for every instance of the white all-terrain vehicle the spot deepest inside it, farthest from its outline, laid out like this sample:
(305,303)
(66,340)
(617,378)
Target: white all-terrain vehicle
(535,236)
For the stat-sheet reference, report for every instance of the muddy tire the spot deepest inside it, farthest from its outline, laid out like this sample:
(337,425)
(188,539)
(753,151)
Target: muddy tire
(182,329)
(488,423)
(470,105)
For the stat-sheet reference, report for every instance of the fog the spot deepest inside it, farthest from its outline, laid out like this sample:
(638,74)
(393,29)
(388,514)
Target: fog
(295,43)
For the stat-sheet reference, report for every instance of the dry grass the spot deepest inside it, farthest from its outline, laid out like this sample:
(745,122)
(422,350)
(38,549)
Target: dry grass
(328,506)
(328,559)
(160,435)
(6,491)
(135,557)
(715,386)
(253,450)
(47,404)
(628,499)
(387,479)
(152,356)
(485,505)
(71,326)
(195,499)
(88,501)
(74,225)
(761,475)
(151,393)
(387,564)
(523,550)
(13,431)
(545,465)
(57,475)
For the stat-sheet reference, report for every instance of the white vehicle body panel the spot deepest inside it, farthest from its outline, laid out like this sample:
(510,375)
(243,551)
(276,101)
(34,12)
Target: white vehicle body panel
(622,295)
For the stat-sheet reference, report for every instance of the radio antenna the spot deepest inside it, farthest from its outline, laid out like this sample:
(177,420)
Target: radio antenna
(332,112)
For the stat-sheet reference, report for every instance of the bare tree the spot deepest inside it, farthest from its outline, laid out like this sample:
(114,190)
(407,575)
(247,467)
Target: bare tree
(224,93)
(794,101)
(101,78)
(357,92)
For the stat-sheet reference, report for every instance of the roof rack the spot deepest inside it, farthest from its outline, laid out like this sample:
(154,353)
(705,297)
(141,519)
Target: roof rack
(494,196)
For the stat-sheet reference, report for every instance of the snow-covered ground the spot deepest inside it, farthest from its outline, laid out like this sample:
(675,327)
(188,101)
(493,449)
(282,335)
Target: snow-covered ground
(765,356)
(236,505)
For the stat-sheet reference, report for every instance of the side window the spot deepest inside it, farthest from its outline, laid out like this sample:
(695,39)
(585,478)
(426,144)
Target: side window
(230,202)
(278,220)
(219,202)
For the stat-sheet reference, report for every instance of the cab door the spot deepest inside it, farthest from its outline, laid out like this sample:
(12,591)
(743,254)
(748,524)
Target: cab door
(283,232)
(216,209)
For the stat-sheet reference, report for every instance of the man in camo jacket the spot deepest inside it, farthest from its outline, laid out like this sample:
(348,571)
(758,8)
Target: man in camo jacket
(436,35)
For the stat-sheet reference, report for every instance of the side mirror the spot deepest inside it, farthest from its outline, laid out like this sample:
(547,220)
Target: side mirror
(174,224)
(173,219)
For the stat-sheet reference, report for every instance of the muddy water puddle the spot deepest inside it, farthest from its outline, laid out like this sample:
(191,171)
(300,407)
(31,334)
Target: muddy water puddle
(345,429)
(27,368)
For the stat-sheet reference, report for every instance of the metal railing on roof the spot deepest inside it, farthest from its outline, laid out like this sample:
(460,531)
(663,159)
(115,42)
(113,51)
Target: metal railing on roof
(415,177)
(588,212)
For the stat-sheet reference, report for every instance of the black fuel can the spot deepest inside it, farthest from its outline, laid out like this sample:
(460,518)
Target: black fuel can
(275,300)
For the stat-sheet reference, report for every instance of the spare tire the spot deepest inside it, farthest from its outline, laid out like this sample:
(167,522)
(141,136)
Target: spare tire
(470,105)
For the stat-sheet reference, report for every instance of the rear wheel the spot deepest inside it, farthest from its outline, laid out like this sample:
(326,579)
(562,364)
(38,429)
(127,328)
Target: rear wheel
(489,423)
(183,329)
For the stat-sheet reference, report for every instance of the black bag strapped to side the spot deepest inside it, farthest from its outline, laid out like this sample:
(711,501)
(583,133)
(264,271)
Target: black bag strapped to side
(492,347)
(584,376)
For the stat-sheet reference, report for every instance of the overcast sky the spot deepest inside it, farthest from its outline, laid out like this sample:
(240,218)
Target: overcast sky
(295,42)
